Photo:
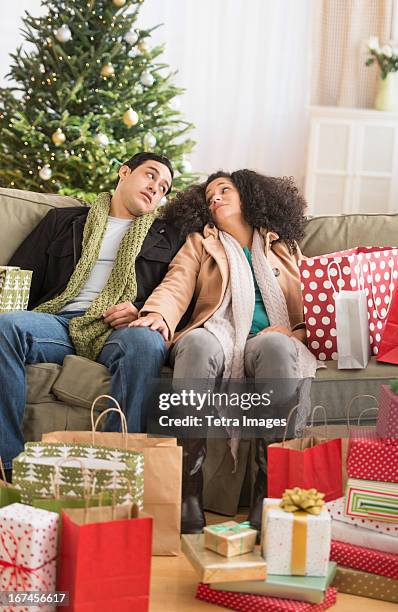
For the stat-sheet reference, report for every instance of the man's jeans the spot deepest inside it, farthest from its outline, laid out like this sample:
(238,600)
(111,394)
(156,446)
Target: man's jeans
(132,355)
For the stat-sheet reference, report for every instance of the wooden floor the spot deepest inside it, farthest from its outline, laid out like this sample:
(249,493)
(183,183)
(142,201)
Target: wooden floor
(174,585)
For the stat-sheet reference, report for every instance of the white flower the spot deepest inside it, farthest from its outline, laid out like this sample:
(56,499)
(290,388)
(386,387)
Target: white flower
(386,51)
(395,51)
(373,43)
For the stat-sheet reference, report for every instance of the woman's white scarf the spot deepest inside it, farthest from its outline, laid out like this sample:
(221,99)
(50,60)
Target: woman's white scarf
(232,322)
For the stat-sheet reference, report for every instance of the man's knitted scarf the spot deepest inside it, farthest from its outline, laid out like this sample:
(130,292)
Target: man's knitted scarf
(89,332)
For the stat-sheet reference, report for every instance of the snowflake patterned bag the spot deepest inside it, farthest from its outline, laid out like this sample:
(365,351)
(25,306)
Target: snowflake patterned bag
(14,288)
(379,268)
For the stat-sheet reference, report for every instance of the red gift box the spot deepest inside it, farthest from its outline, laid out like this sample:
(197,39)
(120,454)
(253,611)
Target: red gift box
(260,603)
(373,459)
(365,559)
(387,416)
(374,267)
(105,565)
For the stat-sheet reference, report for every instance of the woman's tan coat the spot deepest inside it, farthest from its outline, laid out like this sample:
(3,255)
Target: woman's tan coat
(200,269)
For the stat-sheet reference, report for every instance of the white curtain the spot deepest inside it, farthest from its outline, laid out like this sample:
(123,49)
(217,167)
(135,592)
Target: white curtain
(245,66)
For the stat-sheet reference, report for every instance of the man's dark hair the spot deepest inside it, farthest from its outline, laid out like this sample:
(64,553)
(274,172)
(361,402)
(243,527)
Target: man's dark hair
(140,158)
(271,202)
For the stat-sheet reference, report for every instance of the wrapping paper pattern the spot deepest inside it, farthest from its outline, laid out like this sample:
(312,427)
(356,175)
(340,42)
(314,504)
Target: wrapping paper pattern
(224,541)
(310,589)
(336,511)
(35,471)
(375,459)
(365,559)
(212,567)
(14,288)
(387,416)
(380,273)
(352,534)
(355,582)
(370,499)
(28,550)
(277,540)
(259,603)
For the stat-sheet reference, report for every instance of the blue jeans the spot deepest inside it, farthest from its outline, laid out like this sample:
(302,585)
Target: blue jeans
(132,355)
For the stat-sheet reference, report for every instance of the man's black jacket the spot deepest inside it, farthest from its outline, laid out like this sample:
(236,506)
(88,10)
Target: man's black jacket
(53,249)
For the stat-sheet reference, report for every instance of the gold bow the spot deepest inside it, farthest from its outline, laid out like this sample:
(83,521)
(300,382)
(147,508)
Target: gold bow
(306,500)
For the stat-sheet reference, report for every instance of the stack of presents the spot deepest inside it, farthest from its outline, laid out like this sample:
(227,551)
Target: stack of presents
(313,544)
(87,510)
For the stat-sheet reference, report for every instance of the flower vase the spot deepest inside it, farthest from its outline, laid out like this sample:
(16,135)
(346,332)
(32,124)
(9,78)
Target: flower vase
(387,93)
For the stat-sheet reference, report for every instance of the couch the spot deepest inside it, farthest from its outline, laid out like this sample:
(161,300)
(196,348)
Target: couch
(60,397)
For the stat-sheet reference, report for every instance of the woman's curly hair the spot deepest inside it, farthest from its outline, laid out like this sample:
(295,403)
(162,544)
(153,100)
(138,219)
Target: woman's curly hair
(271,202)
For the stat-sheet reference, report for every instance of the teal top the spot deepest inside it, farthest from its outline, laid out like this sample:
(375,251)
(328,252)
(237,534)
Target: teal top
(260,317)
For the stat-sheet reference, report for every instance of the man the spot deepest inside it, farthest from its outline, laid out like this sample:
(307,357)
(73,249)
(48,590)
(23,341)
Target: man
(93,269)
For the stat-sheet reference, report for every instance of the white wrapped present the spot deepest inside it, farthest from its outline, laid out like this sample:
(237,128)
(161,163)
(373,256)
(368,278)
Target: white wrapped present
(28,551)
(295,542)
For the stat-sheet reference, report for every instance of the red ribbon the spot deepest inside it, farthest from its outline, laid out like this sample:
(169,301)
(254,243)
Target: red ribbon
(20,572)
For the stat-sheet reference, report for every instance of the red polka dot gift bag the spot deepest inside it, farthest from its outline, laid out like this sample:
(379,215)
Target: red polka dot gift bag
(373,269)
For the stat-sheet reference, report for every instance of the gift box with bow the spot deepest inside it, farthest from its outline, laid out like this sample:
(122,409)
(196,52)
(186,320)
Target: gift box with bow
(230,538)
(296,534)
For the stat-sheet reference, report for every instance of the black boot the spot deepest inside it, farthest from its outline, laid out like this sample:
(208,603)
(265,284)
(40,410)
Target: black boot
(8,475)
(192,515)
(260,484)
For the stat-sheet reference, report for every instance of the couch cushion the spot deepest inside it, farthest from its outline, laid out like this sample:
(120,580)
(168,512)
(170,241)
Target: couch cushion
(40,378)
(81,381)
(330,233)
(54,416)
(20,212)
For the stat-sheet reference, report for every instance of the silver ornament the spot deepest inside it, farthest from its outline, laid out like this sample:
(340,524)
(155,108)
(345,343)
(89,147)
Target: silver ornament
(131,37)
(45,173)
(147,79)
(149,141)
(101,139)
(63,34)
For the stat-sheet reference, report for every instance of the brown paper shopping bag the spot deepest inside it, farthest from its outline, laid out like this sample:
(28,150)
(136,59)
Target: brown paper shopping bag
(162,474)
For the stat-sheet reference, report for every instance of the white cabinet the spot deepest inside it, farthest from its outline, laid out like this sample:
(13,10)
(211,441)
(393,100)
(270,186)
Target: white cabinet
(352,161)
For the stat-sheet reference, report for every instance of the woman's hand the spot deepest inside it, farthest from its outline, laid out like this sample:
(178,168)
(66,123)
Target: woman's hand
(120,315)
(276,328)
(154,321)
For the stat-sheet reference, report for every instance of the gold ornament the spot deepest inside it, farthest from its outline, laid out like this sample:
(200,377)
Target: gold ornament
(130,117)
(107,70)
(306,500)
(142,47)
(119,3)
(58,137)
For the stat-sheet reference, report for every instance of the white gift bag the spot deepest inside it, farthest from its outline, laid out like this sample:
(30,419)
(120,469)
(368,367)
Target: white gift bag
(352,327)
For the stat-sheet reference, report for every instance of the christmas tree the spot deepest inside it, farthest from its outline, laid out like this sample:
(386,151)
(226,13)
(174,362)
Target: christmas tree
(90,94)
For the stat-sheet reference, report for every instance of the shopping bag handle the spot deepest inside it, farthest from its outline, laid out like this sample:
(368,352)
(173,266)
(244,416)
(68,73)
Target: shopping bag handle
(349,406)
(287,422)
(366,410)
(325,417)
(330,264)
(117,409)
(133,507)
(56,475)
(391,286)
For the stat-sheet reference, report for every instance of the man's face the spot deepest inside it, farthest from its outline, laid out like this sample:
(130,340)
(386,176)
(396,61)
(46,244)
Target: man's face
(140,190)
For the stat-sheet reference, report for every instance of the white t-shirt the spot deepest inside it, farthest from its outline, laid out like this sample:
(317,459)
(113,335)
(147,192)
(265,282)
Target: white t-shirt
(115,230)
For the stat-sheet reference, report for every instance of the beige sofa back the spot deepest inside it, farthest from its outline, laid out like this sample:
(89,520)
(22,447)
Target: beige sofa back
(20,212)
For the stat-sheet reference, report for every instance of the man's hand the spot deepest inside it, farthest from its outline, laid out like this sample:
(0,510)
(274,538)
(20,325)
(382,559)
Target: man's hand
(276,328)
(120,315)
(154,321)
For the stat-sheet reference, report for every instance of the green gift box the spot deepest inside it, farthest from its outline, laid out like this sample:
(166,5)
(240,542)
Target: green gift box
(14,288)
(74,469)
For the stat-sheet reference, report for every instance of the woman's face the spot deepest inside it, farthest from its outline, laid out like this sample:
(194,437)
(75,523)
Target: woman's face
(223,201)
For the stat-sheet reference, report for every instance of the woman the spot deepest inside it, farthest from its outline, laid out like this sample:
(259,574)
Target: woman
(240,264)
